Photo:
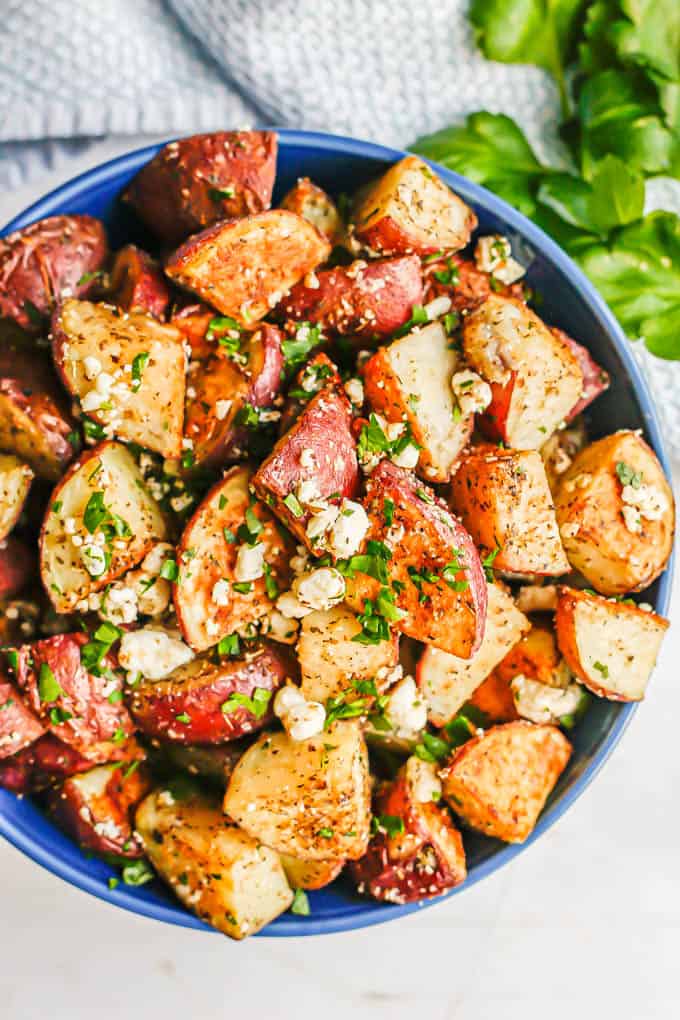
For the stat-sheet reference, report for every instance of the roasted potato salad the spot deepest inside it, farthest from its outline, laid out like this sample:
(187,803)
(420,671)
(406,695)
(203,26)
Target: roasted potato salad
(274,608)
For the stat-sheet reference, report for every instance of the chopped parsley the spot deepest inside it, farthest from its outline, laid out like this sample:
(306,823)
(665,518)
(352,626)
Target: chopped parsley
(300,904)
(295,349)
(258,704)
(183,717)
(137,873)
(169,570)
(229,645)
(488,561)
(391,825)
(139,363)
(219,194)
(48,686)
(628,476)
(602,670)
(293,504)
(325,832)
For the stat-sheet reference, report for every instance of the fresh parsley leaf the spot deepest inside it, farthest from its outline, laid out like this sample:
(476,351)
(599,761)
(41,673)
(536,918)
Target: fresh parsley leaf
(627,475)
(48,686)
(391,825)
(137,872)
(169,570)
(300,904)
(139,363)
(296,349)
(229,645)
(257,704)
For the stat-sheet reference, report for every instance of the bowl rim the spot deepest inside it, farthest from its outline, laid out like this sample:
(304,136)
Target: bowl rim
(375,913)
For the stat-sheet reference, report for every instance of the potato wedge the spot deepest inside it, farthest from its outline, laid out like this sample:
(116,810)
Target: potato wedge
(410,381)
(310,874)
(494,698)
(138,284)
(536,657)
(73,703)
(534,377)
(211,702)
(196,181)
(57,257)
(417,852)
(19,726)
(41,765)
(102,494)
(498,783)
(208,609)
(611,647)
(35,421)
(410,209)
(595,379)
(127,370)
(96,808)
(244,267)
(317,453)
(15,481)
(432,560)
(330,658)
(504,501)
(309,799)
(229,879)
(365,299)
(448,681)
(311,202)
(611,542)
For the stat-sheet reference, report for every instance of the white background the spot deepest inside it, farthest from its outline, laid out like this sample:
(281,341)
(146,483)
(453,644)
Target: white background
(584,924)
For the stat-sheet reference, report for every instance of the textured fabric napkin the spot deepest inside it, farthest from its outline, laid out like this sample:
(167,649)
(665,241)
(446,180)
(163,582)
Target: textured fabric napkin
(72,71)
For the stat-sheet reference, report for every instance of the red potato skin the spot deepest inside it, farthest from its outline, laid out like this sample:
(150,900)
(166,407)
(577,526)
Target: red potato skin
(395,869)
(94,720)
(595,379)
(138,284)
(429,529)
(265,365)
(80,818)
(472,288)
(174,194)
(17,567)
(325,427)
(19,726)
(215,441)
(366,299)
(45,261)
(493,421)
(192,320)
(46,762)
(155,705)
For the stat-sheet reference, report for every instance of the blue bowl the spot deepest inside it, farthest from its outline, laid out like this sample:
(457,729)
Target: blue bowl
(569,301)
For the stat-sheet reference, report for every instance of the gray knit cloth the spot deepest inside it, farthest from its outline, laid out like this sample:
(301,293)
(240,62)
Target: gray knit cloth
(71,70)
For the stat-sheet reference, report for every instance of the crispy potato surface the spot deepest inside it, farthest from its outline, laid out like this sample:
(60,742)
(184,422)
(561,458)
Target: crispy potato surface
(15,481)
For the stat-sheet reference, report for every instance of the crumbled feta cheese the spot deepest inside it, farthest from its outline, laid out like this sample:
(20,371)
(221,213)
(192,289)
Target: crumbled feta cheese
(103,383)
(92,367)
(249,562)
(307,458)
(424,781)
(289,606)
(220,592)
(70,525)
(644,502)
(320,522)
(181,502)
(94,558)
(406,458)
(301,719)
(280,628)
(308,491)
(631,519)
(406,711)
(471,391)
(120,603)
(437,307)
(348,530)
(321,589)
(299,562)
(540,703)
(536,598)
(354,388)
(156,557)
(154,653)
(222,408)
(493,254)
(92,401)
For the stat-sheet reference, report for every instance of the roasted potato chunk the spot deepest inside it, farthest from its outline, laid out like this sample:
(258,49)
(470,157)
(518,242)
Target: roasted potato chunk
(41,765)
(96,808)
(330,657)
(310,874)
(226,877)
(465,285)
(537,657)
(504,501)
(15,481)
(616,514)
(19,726)
(498,783)
(138,284)
(447,681)
(410,209)
(227,531)
(535,378)
(494,699)
(433,567)
(595,379)
(128,372)
(102,494)
(611,647)
(196,181)
(317,374)
(210,702)
(410,381)
(314,463)
(309,799)
(243,267)
(35,422)
(56,257)
(365,299)
(314,205)
(74,704)
(416,852)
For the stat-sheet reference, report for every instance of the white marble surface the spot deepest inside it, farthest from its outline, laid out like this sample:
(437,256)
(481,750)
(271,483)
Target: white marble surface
(585,924)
